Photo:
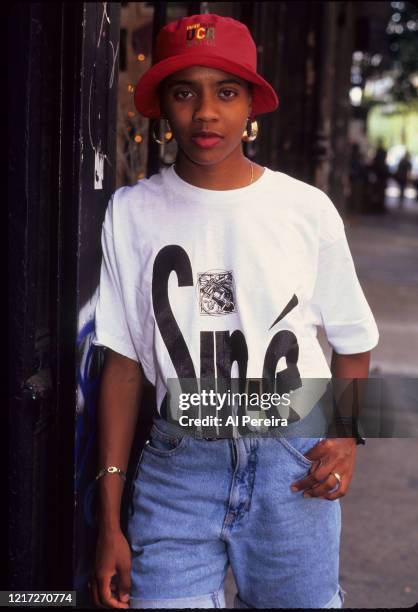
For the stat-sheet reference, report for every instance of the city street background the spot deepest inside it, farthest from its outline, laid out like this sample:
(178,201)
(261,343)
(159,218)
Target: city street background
(379,548)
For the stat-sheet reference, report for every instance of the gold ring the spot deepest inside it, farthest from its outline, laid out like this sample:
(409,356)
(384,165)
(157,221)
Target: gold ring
(338,477)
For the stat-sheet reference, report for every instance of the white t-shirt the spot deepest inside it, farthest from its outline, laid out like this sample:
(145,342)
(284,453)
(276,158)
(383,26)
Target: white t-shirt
(184,268)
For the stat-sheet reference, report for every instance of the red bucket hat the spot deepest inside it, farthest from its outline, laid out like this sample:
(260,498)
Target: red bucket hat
(204,40)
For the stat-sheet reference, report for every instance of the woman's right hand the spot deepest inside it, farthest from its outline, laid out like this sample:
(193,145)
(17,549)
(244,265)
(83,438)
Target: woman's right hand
(113,559)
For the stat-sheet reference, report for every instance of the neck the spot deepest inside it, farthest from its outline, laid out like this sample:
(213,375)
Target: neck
(220,176)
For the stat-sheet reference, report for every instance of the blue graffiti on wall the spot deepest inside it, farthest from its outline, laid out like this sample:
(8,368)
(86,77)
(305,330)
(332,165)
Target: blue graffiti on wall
(88,383)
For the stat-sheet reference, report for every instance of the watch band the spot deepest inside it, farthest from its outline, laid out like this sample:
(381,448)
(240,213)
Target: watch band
(352,423)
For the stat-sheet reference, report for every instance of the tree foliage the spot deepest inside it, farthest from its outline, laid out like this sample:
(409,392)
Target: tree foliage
(397,62)
(402,32)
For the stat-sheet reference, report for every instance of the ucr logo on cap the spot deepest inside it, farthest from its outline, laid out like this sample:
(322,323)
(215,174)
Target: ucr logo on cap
(197,34)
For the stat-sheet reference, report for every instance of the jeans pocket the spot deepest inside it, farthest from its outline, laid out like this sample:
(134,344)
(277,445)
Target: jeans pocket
(163,444)
(298,447)
(135,472)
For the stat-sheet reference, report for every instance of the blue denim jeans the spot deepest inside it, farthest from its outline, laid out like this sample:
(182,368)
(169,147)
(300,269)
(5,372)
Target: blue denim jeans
(198,505)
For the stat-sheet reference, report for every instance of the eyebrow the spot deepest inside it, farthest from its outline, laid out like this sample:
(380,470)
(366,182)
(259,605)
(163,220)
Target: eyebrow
(186,82)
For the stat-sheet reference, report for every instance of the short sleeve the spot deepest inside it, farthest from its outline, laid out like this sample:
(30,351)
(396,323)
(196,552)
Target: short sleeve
(338,301)
(111,325)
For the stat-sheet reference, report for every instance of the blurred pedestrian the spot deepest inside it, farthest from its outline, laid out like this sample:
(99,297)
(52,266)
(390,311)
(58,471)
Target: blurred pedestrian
(403,175)
(378,176)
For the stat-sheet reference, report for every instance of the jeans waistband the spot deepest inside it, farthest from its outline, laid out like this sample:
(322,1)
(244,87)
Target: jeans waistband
(177,430)
(312,425)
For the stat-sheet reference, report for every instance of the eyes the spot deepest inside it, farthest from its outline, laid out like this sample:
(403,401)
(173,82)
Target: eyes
(226,94)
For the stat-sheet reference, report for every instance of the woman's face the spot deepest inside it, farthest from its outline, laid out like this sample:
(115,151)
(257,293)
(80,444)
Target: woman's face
(199,99)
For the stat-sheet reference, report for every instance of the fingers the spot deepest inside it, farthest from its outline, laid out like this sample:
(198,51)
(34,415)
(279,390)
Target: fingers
(94,593)
(306,483)
(328,456)
(124,584)
(330,486)
(106,596)
(318,452)
(317,475)
(340,492)
(102,593)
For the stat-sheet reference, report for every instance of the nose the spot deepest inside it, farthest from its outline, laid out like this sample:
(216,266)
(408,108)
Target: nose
(206,107)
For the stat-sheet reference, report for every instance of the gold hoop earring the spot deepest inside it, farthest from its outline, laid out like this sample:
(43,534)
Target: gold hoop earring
(251,131)
(168,134)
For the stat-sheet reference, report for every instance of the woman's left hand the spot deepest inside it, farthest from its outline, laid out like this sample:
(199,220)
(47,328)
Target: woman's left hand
(332,455)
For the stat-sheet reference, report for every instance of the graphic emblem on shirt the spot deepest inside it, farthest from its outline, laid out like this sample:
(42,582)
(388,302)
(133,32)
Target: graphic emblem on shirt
(216,292)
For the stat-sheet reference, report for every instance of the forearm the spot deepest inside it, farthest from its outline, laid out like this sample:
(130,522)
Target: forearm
(345,369)
(119,399)
(350,366)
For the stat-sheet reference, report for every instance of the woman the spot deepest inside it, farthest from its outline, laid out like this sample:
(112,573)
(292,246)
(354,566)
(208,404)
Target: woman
(218,269)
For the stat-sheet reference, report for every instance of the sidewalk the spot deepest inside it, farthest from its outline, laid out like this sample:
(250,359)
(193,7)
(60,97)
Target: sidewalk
(385,252)
(379,549)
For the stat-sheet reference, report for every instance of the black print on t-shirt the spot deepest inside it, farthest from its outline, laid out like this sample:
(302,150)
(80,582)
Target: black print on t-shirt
(216,292)
(230,348)
(290,306)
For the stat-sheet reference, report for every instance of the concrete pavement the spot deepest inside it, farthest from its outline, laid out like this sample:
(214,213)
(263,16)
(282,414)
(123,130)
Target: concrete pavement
(379,549)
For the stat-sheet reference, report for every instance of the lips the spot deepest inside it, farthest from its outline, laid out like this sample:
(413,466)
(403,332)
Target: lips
(206,140)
